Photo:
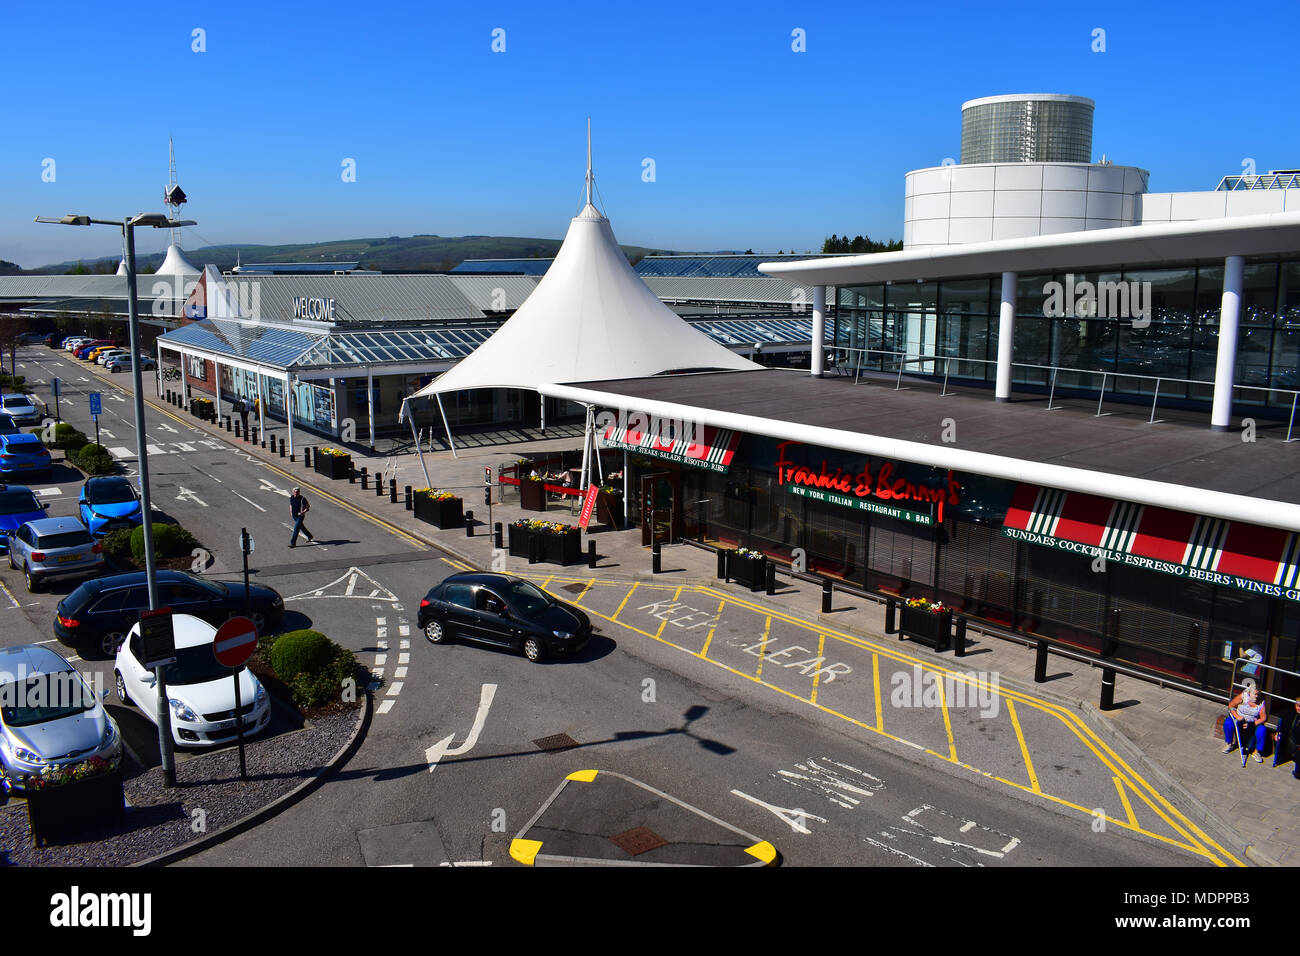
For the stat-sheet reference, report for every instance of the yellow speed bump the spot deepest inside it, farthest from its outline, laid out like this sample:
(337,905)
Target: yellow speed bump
(764,851)
(582,776)
(525,851)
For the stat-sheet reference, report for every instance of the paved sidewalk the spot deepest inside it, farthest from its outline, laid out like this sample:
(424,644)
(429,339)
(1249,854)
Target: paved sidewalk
(1167,736)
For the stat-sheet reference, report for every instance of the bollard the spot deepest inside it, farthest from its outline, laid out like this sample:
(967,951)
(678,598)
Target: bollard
(655,558)
(392,491)
(227,423)
(469,524)
(722,564)
(352,475)
(379,485)
(769,582)
(827,590)
(890,611)
(281,447)
(1108,688)
(409,504)
(496,536)
(1040,663)
(365,478)
(591,552)
(236,429)
(306,456)
(959,647)
(534,546)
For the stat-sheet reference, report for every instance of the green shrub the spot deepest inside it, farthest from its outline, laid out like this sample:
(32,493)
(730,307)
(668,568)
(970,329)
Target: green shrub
(169,541)
(117,544)
(93,459)
(12,383)
(301,652)
(66,437)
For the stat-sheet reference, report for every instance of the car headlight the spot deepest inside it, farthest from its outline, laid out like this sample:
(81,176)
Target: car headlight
(182,711)
(278,601)
(260,697)
(28,756)
(562,635)
(110,734)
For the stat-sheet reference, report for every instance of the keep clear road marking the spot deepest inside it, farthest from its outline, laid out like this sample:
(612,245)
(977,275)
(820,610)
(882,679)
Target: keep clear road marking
(443,747)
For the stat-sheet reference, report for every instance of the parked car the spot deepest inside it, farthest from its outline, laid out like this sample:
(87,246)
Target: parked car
(122,363)
(21,408)
(99,613)
(90,352)
(50,548)
(199,689)
(17,506)
(505,611)
(103,357)
(23,454)
(73,341)
(49,716)
(54,340)
(7,425)
(81,351)
(109,502)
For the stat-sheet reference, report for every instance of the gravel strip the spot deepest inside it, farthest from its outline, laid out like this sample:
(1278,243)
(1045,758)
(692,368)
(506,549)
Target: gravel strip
(159,819)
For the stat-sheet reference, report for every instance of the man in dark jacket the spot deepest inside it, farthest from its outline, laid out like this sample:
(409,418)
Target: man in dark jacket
(1288,738)
(298,507)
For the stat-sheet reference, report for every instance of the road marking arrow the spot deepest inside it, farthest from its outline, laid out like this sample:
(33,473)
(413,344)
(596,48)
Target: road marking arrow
(167,428)
(268,486)
(443,747)
(187,495)
(116,397)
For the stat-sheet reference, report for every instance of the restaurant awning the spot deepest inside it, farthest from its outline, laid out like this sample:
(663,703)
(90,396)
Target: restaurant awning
(710,448)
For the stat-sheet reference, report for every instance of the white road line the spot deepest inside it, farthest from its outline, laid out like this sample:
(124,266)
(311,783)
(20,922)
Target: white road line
(213,477)
(386,705)
(121,451)
(9,594)
(253,503)
(381,632)
(382,645)
(403,630)
(378,673)
(49,492)
(395,689)
(381,659)
(399,672)
(443,748)
(403,658)
(404,645)
(381,620)
(183,446)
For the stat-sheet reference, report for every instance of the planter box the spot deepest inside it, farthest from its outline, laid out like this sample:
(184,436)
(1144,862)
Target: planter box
(444,514)
(532,496)
(747,572)
(554,548)
(57,811)
(609,509)
(332,466)
(933,630)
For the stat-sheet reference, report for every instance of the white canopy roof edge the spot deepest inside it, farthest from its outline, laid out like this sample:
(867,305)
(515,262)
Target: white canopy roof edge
(1272,514)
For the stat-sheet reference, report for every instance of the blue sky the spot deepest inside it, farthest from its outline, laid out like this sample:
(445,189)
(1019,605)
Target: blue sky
(754,145)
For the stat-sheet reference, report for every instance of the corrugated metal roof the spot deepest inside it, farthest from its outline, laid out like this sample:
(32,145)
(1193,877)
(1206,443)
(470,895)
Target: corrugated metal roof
(528,267)
(268,344)
(360,298)
(66,287)
(711,266)
(482,291)
(726,289)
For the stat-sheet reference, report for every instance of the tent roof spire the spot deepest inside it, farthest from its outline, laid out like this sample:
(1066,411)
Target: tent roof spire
(588,160)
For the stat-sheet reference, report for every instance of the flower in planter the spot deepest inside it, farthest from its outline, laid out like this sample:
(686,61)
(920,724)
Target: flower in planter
(922,604)
(543,527)
(611,490)
(333,452)
(58,776)
(747,553)
(436,494)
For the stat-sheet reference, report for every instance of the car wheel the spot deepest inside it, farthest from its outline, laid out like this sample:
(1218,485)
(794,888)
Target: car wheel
(435,632)
(32,583)
(110,642)
(533,649)
(121,689)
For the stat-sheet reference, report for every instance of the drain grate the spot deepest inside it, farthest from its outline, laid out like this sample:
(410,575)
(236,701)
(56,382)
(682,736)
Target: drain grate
(577,587)
(555,743)
(638,840)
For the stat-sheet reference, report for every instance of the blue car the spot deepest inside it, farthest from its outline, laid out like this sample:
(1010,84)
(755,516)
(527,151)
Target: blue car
(17,506)
(108,503)
(23,454)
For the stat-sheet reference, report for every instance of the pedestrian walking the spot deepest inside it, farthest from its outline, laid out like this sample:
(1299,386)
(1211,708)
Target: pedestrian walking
(298,507)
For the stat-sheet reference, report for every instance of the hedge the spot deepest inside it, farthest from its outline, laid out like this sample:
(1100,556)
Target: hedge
(93,459)
(169,541)
(313,666)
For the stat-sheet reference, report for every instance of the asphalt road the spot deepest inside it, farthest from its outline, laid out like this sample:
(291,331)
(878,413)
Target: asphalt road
(820,789)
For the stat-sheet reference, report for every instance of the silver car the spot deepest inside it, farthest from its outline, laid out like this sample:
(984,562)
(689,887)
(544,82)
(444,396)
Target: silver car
(49,716)
(50,548)
(21,408)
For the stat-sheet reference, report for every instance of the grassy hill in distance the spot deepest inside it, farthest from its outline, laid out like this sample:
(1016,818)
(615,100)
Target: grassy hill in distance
(422,253)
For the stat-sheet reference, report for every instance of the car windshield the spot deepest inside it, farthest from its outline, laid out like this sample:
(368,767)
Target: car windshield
(112,492)
(195,665)
(17,501)
(526,598)
(44,697)
(18,401)
(63,539)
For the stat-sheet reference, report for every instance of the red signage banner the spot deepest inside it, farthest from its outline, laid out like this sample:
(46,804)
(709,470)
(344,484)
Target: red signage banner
(865,484)
(588,505)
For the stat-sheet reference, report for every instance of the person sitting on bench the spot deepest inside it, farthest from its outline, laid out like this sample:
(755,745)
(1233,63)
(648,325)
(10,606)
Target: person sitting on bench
(1287,739)
(1248,712)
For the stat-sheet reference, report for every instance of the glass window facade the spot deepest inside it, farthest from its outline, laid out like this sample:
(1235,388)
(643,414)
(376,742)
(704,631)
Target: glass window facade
(1066,326)
(1027,131)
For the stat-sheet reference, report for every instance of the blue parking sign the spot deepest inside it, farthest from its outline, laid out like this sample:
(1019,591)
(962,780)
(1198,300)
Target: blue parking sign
(95,406)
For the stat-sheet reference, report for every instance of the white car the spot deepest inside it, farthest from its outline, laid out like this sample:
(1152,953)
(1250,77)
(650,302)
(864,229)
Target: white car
(200,690)
(74,342)
(103,357)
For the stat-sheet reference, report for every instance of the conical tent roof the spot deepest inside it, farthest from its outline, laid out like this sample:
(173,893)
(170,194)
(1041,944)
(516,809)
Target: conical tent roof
(591,318)
(175,264)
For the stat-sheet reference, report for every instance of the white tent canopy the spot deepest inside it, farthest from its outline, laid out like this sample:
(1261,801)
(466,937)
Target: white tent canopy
(591,318)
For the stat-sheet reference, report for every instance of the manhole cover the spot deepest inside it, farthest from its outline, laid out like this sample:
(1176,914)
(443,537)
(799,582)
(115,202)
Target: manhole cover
(638,840)
(555,743)
(577,587)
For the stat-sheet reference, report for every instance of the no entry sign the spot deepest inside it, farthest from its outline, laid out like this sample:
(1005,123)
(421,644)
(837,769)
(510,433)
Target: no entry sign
(235,642)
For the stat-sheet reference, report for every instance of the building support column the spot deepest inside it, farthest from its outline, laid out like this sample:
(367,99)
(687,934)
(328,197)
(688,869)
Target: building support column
(370,405)
(288,410)
(1225,368)
(819,331)
(1006,336)
(216,374)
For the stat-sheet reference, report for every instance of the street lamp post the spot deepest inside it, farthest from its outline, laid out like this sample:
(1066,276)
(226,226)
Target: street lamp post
(127,225)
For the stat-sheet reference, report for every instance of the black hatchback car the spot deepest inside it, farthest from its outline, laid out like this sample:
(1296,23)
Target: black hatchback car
(505,611)
(100,613)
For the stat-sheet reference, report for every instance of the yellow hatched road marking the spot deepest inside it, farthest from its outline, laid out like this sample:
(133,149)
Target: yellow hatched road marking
(709,640)
(817,678)
(624,604)
(1024,748)
(762,649)
(1123,796)
(875,678)
(664,623)
(947,722)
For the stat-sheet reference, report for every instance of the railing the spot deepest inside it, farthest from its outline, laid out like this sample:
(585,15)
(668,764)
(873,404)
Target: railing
(904,359)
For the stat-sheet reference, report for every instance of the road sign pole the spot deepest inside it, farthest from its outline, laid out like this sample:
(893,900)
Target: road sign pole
(239,724)
(96,429)
(248,597)
(232,646)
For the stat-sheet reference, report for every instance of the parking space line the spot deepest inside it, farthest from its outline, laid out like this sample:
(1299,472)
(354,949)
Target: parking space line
(762,647)
(635,585)
(817,677)
(1024,752)
(704,652)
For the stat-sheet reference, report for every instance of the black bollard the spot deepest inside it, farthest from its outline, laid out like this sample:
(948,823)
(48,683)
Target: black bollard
(1040,662)
(365,478)
(655,558)
(769,577)
(352,475)
(959,648)
(1108,688)
(890,610)
(227,423)
(379,485)
(827,591)
(281,447)
(722,564)
(591,552)
(496,536)
(534,545)
(236,429)
(392,491)
(469,524)
(409,504)
(306,457)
